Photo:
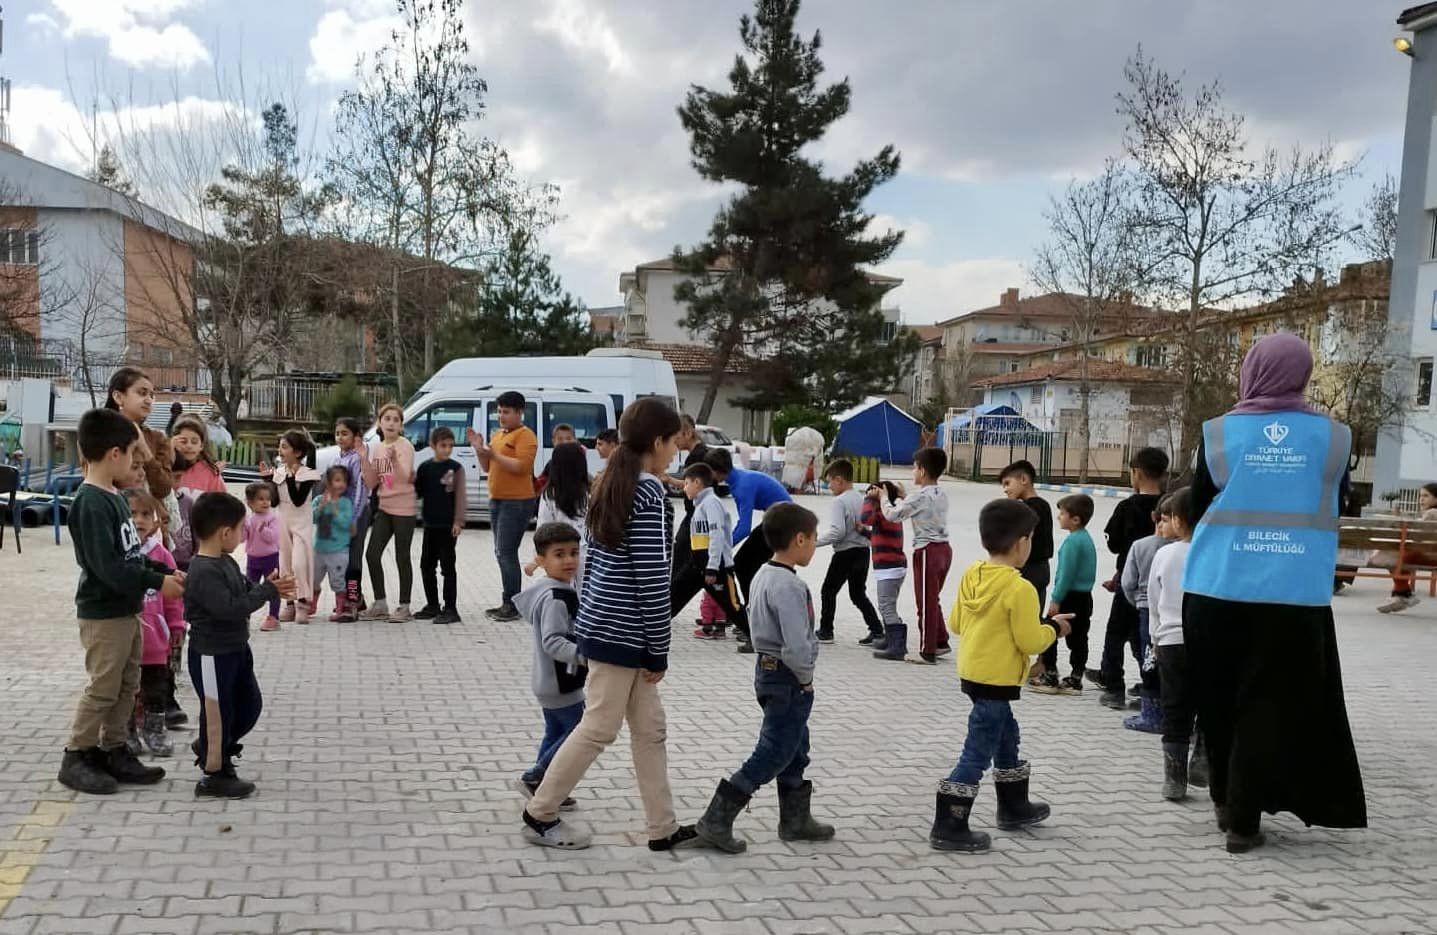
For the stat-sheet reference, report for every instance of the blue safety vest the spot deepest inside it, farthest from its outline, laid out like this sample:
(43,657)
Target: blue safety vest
(1270,536)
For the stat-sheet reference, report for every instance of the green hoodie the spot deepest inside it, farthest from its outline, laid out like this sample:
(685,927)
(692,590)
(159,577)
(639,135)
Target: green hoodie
(114,574)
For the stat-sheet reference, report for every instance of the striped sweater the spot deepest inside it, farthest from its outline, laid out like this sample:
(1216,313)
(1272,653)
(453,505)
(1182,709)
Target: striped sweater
(885,536)
(624,609)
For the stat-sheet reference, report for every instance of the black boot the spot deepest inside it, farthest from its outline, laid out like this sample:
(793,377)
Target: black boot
(1015,809)
(897,646)
(1197,766)
(950,820)
(1175,771)
(121,764)
(81,770)
(715,828)
(874,638)
(795,821)
(1244,836)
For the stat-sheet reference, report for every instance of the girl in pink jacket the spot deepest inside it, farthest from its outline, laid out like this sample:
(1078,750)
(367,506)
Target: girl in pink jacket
(162,626)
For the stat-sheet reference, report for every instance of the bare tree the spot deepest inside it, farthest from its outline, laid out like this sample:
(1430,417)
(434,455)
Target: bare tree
(1089,260)
(1217,224)
(1377,237)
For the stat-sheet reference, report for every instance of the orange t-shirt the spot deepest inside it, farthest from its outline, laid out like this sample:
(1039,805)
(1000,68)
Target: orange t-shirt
(519,443)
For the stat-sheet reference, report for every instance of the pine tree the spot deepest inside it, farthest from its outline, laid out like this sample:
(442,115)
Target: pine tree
(779,279)
(109,173)
(521,308)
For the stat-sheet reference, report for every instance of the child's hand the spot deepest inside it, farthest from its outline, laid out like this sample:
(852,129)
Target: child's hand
(476,441)
(221,465)
(1052,609)
(874,492)
(264,469)
(285,585)
(456,530)
(174,586)
(653,678)
(530,568)
(1064,623)
(710,577)
(1111,585)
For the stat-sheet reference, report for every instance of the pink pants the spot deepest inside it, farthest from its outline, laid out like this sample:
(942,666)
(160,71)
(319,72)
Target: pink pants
(709,610)
(296,549)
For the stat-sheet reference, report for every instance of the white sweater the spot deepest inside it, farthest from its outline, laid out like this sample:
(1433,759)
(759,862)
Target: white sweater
(1165,594)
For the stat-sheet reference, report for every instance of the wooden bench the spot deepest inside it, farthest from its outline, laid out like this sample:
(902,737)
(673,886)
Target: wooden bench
(1392,534)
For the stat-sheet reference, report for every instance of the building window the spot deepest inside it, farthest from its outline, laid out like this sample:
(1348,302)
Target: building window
(1423,397)
(20,246)
(1432,235)
(890,331)
(1035,395)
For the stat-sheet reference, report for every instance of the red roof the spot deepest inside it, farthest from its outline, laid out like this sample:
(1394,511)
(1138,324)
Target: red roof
(927,333)
(691,358)
(1099,371)
(1052,305)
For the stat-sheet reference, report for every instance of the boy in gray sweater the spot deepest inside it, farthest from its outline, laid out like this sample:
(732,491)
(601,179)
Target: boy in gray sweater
(711,548)
(781,622)
(849,565)
(550,605)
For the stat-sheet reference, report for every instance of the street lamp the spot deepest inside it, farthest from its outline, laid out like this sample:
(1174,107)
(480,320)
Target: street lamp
(1403,45)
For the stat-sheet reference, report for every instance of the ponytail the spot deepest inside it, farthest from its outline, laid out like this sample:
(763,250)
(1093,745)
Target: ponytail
(644,422)
(300,441)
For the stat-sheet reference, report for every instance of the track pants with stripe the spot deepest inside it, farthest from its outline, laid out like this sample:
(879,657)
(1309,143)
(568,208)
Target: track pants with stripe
(725,592)
(930,570)
(230,704)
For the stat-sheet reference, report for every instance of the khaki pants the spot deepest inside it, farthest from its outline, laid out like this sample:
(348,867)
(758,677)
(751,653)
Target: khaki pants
(615,694)
(112,660)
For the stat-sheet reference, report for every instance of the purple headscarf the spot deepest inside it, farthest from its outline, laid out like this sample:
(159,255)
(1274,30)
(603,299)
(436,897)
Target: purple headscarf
(1274,376)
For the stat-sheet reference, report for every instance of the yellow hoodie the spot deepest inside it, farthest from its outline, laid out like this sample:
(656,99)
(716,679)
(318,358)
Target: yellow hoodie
(996,620)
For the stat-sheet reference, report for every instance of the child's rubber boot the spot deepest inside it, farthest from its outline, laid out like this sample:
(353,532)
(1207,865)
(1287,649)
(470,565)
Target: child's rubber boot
(896,648)
(1197,766)
(1015,809)
(1149,718)
(950,820)
(155,735)
(795,820)
(715,828)
(1175,771)
(339,604)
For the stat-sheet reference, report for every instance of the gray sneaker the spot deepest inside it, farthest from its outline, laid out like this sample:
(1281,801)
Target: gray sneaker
(400,615)
(557,834)
(1398,604)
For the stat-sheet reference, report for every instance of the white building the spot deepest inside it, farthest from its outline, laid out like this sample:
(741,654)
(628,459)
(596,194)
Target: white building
(1408,458)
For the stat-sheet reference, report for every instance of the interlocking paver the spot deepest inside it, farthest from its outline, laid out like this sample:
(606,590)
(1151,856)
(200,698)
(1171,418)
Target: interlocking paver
(385,753)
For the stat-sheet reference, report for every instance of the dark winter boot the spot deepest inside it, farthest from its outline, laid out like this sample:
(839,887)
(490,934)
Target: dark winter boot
(133,743)
(1197,766)
(1175,771)
(715,828)
(1244,836)
(1015,809)
(1113,699)
(81,770)
(155,735)
(1149,718)
(950,820)
(795,821)
(121,764)
(896,648)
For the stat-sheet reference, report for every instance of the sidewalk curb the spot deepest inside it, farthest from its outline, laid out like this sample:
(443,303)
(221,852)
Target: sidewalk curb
(1089,490)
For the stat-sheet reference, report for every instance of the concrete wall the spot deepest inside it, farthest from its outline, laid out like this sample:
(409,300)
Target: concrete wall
(726,414)
(82,279)
(1409,458)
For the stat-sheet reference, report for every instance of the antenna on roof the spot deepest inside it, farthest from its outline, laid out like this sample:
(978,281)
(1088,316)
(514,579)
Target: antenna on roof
(4,89)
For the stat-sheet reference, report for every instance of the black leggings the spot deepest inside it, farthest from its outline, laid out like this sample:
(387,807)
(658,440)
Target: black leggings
(401,530)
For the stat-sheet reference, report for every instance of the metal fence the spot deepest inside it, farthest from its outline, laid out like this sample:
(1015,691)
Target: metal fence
(293,397)
(980,445)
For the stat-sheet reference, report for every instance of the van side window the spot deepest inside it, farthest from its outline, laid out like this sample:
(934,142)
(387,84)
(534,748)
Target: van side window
(531,419)
(588,420)
(456,417)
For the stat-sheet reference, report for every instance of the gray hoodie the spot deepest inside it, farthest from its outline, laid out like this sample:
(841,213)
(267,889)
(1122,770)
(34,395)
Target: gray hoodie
(546,605)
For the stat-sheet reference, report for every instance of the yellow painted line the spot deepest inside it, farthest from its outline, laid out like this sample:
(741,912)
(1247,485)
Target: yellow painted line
(20,854)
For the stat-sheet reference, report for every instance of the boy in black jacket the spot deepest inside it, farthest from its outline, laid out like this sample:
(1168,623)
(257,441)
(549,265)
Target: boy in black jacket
(1017,480)
(1131,521)
(218,604)
(114,576)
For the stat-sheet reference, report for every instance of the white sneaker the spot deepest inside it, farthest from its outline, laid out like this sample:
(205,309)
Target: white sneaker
(1399,604)
(559,834)
(400,615)
(379,610)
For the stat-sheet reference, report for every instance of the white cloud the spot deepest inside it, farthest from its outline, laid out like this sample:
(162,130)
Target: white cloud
(137,32)
(917,234)
(44,23)
(339,39)
(581,27)
(931,293)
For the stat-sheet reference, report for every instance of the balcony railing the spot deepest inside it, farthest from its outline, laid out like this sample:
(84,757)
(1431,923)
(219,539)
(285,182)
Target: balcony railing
(290,397)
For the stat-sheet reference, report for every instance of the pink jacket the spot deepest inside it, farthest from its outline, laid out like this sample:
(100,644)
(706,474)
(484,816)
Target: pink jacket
(160,616)
(200,478)
(261,534)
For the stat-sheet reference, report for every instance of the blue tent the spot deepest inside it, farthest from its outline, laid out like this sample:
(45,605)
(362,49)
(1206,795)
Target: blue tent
(993,424)
(878,429)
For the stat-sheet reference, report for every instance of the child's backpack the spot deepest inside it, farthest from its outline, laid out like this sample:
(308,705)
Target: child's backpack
(571,678)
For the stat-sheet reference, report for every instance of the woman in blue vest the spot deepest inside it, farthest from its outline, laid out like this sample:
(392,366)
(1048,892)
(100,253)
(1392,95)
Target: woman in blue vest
(1257,619)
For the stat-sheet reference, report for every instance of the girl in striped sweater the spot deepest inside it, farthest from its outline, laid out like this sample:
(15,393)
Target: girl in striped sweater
(623,630)
(890,567)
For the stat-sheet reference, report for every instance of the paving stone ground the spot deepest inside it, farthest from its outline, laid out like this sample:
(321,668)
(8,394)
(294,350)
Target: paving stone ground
(385,754)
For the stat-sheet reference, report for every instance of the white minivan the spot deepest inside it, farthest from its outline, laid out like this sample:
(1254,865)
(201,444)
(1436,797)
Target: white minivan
(586,392)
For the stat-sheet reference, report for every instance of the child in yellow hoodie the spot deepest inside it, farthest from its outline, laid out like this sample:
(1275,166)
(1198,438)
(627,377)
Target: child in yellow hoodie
(999,628)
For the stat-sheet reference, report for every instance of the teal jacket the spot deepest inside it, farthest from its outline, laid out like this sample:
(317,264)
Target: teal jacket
(1077,566)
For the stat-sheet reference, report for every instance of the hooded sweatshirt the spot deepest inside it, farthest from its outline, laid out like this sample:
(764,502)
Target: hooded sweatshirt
(996,620)
(558,674)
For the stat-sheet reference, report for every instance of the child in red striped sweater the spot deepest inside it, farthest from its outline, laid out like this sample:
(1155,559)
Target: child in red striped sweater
(890,567)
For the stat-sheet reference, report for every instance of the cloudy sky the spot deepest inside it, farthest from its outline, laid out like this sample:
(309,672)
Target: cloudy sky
(994,105)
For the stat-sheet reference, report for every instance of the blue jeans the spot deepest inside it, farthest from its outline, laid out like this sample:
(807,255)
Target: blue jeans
(992,741)
(559,723)
(509,519)
(782,748)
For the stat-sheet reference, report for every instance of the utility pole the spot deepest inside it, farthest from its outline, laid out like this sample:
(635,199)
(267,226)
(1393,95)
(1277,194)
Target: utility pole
(4,88)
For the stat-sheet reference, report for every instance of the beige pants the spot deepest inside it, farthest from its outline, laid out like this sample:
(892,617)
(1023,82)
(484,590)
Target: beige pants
(296,548)
(112,660)
(615,694)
